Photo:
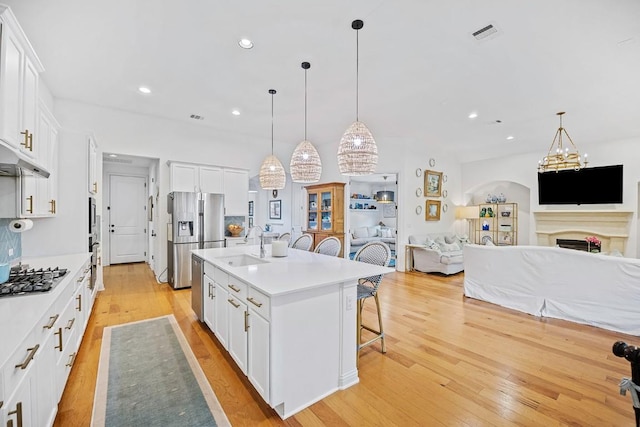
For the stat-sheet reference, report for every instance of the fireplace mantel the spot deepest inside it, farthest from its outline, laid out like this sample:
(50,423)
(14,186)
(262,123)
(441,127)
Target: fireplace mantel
(610,226)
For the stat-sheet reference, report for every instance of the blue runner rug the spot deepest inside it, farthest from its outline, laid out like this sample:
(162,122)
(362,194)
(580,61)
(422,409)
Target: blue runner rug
(148,376)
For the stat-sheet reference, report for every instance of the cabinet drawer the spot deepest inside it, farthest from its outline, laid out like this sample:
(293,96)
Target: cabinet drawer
(46,324)
(220,276)
(259,302)
(13,370)
(237,288)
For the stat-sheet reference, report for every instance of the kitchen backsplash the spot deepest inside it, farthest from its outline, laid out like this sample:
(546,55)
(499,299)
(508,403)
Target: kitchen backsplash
(8,241)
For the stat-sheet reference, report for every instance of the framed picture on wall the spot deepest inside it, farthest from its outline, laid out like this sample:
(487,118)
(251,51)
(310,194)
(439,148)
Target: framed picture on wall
(432,211)
(389,210)
(251,208)
(275,209)
(432,183)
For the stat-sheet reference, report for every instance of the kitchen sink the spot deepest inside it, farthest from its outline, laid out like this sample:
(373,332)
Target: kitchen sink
(242,260)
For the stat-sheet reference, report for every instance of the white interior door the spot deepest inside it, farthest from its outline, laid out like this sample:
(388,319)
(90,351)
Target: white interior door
(127,218)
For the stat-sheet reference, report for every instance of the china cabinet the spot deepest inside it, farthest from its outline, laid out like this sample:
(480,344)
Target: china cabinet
(498,223)
(325,211)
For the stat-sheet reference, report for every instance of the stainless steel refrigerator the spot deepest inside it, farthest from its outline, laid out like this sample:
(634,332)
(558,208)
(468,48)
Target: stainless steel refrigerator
(197,222)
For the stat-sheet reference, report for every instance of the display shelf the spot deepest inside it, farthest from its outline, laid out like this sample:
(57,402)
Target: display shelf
(497,222)
(325,211)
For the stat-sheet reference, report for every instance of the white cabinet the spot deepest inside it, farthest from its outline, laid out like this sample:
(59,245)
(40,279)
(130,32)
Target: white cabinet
(19,75)
(210,179)
(238,317)
(209,306)
(258,353)
(236,241)
(236,192)
(221,322)
(20,410)
(93,167)
(39,196)
(199,178)
(233,183)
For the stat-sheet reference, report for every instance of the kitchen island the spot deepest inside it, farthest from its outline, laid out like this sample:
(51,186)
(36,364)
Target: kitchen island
(289,322)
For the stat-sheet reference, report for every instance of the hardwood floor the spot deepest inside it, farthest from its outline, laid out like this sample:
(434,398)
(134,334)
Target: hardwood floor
(450,361)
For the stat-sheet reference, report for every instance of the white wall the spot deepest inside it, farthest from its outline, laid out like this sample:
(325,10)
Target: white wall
(140,135)
(522,169)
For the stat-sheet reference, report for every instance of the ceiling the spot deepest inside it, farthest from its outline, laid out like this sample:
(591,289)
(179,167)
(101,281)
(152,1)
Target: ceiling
(421,72)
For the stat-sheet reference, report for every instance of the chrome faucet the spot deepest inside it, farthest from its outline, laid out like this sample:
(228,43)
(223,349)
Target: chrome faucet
(246,237)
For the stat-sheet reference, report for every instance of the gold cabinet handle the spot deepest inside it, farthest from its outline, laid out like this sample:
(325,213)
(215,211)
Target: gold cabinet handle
(79,299)
(95,187)
(30,209)
(53,206)
(52,321)
(233,303)
(59,334)
(72,359)
(32,352)
(70,323)
(246,321)
(235,288)
(28,140)
(254,302)
(210,290)
(18,412)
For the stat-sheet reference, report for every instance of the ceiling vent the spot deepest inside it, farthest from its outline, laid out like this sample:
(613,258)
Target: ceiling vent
(485,32)
(196,117)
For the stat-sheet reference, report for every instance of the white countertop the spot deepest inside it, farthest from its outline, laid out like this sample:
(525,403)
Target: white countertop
(300,270)
(19,314)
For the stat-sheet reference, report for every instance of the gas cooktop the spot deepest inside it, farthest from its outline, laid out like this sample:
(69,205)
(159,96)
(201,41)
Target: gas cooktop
(26,281)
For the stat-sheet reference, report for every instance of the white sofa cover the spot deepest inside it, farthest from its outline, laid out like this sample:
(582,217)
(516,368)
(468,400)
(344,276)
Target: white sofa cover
(363,235)
(582,287)
(444,257)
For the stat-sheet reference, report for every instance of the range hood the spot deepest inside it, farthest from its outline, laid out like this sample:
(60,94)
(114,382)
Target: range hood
(14,163)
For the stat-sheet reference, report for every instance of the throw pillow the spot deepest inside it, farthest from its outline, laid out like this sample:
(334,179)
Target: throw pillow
(372,231)
(428,242)
(440,240)
(434,246)
(449,239)
(449,247)
(463,239)
(361,232)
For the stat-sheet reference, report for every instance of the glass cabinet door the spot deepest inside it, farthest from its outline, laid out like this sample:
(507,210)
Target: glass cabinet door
(326,199)
(312,220)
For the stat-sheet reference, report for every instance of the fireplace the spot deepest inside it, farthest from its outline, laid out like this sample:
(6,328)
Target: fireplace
(611,227)
(578,245)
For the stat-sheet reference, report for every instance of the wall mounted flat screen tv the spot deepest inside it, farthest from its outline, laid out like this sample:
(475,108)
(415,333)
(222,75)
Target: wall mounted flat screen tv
(588,186)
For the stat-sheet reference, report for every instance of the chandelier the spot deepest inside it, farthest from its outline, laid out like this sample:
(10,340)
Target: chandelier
(305,161)
(272,175)
(357,153)
(562,157)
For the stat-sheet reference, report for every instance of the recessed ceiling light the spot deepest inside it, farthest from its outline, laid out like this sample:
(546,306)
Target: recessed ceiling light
(144,89)
(235,112)
(510,137)
(245,43)
(473,115)
(113,155)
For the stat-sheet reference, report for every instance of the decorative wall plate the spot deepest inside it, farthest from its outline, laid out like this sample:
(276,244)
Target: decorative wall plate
(418,210)
(418,192)
(418,172)
(445,193)
(445,207)
(444,178)
(432,162)
(486,239)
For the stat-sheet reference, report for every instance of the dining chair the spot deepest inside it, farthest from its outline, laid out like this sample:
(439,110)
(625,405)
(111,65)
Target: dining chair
(329,246)
(286,237)
(304,242)
(377,253)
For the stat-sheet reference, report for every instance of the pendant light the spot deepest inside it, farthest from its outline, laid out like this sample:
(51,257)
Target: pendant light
(272,175)
(385,196)
(305,163)
(357,153)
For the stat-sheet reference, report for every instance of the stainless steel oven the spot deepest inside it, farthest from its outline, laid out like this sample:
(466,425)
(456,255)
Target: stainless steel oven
(93,217)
